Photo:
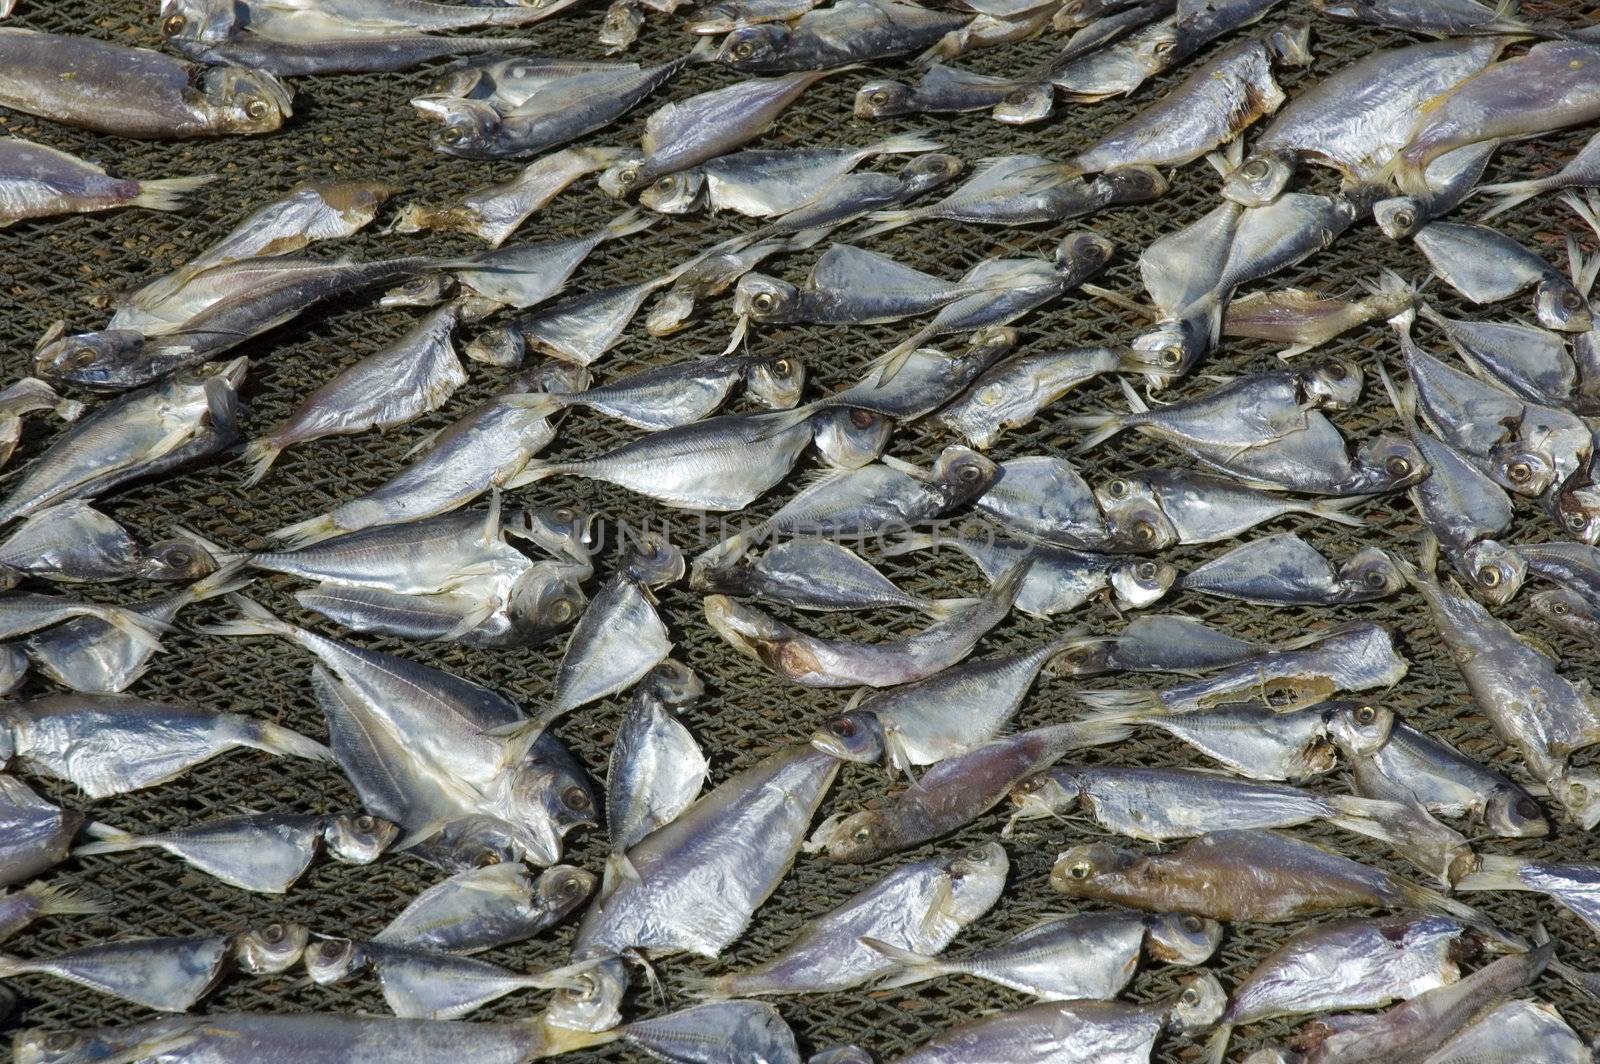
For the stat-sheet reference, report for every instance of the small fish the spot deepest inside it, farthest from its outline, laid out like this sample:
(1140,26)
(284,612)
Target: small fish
(392,386)
(134,92)
(73,542)
(1581,171)
(719,1032)
(1353,656)
(1457,252)
(492,213)
(1012,393)
(1442,18)
(701,877)
(988,30)
(1569,611)
(713,272)
(812,661)
(39,901)
(945,715)
(655,772)
(1155,643)
(947,90)
(264,852)
(1261,876)
(141,434)
(1061,579)
(1089,956)
(725,16)
(852,32)
(507,82)
(169,974)
(860,194)
(1078,1032)
(1512,1031)
(307,19)
(39,182)
(686,133)
(22,612)
(1359,963)
(1498,571)
(37,834)
(620,27)
(1101,25)
(1285,570)
(763,183)
(1306,320)
(1045,498)
(1415,767)
(848,438)
(953,793)
(1451,178)
(815,574)
(919,907)
(481,908)
(1202,508)
(524,275)
(419,984)
(929,379)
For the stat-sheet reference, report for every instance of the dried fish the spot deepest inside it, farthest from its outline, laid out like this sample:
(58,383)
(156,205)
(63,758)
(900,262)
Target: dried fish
(75,543)
(849,438)
(37,835)
(655,772)
(37,182)
(480,908)
(492,213)
(1155,643)
(851,31)
(1459,253)
(858,195)
(1012,393)
(725,16)
(815,574)
(1443,18)
(944,89)
(1515,1030)
(1285,570)
(1582,171)
(1044,498)
(419,984)
(1202,508)
(24,397)
(1306,320)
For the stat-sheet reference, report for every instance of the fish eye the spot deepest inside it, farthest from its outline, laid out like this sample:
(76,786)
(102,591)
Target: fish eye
(1529,809)
(561,611)
(570,886)
(1091,248)
(60,1041)
(879,98)
(861,419)
(1571,300)
(1366,715)
(1017,96)
(1145,533)
(174,25)
(764,302)
(1577,793)
(977,853)
(629,176)
(1119,489)
(1164,46)
(272,934)
(564,513)
(743,50)
(1080,870)
(1191,996)
(862,833)
(1335,371)
(991,394)
(1375,579)
(937,165)
(1560,609)
(1145,571)
(1576,522)
(79,357)
(782,367)
(1254,170)
(257,108)
(844,727)
(666,183)
(969,473)
(330,949)
(1489,576)
(1398,466)
(365,823)
(1171,355)
(486,859)
(1193,925)
(1519,472)
(576,797)
(452,135)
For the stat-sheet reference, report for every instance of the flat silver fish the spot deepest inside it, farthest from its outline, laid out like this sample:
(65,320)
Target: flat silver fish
(1285,570)
(1012,393)
(1202,508)
(655,771)
(814,574)
(851,31)
(73,542)
(480,908)
(37,182)
(1155,643)
(1457,252)
(493,212)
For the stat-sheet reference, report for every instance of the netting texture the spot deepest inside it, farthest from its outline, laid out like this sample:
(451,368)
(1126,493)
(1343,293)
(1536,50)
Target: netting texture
(361,127)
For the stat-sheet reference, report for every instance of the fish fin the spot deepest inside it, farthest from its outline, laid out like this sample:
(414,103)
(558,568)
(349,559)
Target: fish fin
(277,739)
(887,221)
(939,609)
(254,619)
(1494,872)
(914,967)
(619,869)
(146,631)
(1215,1051)
(1102,427)
(902,144)
(708,988)
(890,362)
(54,900)
(169,193)
(782,421)
(259,454)
(1113,706)
(108,840)
(1420,897)
(629,222)
(531,473)
(1337,511)
(311,530)
(1508,195)
(908,542)
(1117,299)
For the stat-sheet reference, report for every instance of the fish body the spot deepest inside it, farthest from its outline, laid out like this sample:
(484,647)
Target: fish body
(1012,393)
(1455,250)
(1203,508)
(37,182)
(1045,498)
(841,33)
(1285,570)
(483,907)
(37,834)
(811,574)
(493,212)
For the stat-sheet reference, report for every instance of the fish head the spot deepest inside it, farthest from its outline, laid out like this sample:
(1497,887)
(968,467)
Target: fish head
(1198,1005)
(1522,468)
(1182,938)
(849,437)
(467,128)
(1173,347)
(268,950)
(425,290)
(1333,384)
(96,359)
(542,600)
(1258,180)
(1578,509)
(1567,609)
(548,800)
(359,839)
(1511,813)
(884,98)
(503,346)
(1374,572)
(776,381)
(753,47)
(140,1041)
(757,635)
(621,179)
(177,559)
(1579,795)
(961,475)
(200,22)
(765,298)
(620,27)
(460,80)
(247,101)
(1495,571)
(1560,306)
(1074,14)
(652,561)
(562,888)
(928,171)
(1358,728)
(673,683)
(670,313)
(1399,216)
(1389,462)
(1081,255)
(1045,794)
(565,528)
(1026,104)
(1120,490)
(1134,184)
(333,960)
(854,838)
(1089,656)
(677,193)
(1290,43)
(856,736)
(594,1000)
(977,876)
(1081,871)
(1139,525)
(1142,583)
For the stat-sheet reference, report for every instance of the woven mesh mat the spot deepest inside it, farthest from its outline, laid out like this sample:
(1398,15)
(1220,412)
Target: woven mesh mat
(360,127)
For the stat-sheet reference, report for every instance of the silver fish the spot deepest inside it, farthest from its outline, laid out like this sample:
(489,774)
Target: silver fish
(73,542)
(1451,178)
(1513,1031)
(1354,656)
(1581,171)
(812,661)
(1443,18)
(39,901)
(480,908)
(1155,643)
(509,81)
(523,275)
(492,213)
(848,438)
(953,793)
(1306,320)
(700,878)
(945,90)
(460,792)
(264,852)
(419,984)
(942,716)
(718,1032)
(1456,252)
(860,194)
(309,19)
(1285,570)
(854,31)
(1012,393)
(725,16)
(1359,963)
(1357,118)
(1070,958)
(656,770)
(762,183)
(38,834)
(815,574)
(392,386)
(1045,498)
(927,380)
(140,434)
(919,907)
(1569,611)
(1498,571)
(1202,508)
(1061,579)
(136,743)
(1077,1032)
(37,182)
(1414,767)
(133,92)
(712,273)
(578,329)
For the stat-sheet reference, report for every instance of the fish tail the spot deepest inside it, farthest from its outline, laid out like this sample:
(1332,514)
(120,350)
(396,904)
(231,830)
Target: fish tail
(629,222)
(1420,897)
(1082,734)
(1120,705)
(52,900)
(939,609)
(146,631)
(225,581)
(908,542)
(901,144)
(169,193)
(10,966)
(531,473)
(276,739)
(1338,511)
(254,619)
(1102,427)
(540,404)
(888,220)
(1215,1051)
(913,967)
(890,362)
(1495,872)
(1510,194)
(108,840)
(709,988)
(312,530)
(1369,817)
(259,454)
